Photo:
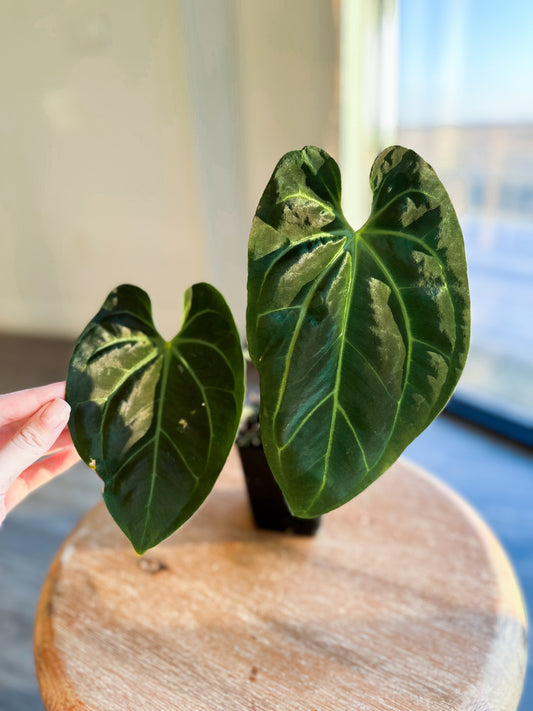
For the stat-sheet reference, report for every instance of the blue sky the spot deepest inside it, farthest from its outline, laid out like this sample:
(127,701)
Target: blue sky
(466,61)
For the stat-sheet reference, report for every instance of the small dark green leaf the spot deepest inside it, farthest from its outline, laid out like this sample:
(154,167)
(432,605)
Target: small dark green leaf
(156,419)
(359,336)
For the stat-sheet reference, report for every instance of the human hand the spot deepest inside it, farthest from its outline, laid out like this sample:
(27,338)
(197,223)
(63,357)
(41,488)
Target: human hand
(32,424)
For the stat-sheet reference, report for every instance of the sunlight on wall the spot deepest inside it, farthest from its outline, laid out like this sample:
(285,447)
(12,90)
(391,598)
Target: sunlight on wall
(95,141)
(136,139)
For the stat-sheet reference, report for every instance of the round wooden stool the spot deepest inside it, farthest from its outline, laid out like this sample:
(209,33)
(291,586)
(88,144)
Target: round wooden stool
(403,601)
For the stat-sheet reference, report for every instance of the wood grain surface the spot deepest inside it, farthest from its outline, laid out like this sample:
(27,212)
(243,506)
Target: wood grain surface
(403,601)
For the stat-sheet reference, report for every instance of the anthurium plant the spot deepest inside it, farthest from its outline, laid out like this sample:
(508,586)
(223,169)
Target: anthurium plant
(359,338)
(156,419)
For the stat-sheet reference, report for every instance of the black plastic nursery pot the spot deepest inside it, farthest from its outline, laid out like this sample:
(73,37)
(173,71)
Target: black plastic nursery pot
(269,509)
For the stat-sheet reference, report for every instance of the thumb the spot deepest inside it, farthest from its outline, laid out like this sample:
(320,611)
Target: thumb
(32,441)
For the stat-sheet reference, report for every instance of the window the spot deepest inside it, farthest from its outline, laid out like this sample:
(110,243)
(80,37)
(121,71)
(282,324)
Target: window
(465,104)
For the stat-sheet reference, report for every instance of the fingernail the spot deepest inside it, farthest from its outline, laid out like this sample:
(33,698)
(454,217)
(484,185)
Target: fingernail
(55,413)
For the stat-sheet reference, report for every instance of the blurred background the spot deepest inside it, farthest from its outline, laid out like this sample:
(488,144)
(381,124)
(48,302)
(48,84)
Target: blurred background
(135,141)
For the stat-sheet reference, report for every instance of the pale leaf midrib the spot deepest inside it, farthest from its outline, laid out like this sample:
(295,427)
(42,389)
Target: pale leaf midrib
(303,311)
(350,248)
(167,355)
(116,342)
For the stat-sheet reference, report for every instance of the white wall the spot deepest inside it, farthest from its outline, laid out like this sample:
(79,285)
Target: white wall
(135,139)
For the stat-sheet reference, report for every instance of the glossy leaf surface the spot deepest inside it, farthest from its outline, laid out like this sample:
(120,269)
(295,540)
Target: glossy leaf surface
(359,337)
(156,419)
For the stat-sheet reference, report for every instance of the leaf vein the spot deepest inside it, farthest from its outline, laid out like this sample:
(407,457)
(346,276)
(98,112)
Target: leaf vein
(135,453)
(431,347)
(192,319)
(338,376)
(111,344)
(297,329)
(145,361)
(304,420)
(206,344)
(112,315)
(373,369)
(379,262)
(356,436)
(205,399)
(307,198)
(397,196)
(180,454)
(155,455)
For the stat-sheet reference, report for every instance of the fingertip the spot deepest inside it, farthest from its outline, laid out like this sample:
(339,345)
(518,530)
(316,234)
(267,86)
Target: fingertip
(55,414)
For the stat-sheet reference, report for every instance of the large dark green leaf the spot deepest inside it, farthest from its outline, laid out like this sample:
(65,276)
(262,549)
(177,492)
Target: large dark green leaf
(359,336)
(156,419)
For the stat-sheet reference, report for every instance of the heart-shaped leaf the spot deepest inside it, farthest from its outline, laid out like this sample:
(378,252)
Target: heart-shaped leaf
(359,337)
(156,419)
